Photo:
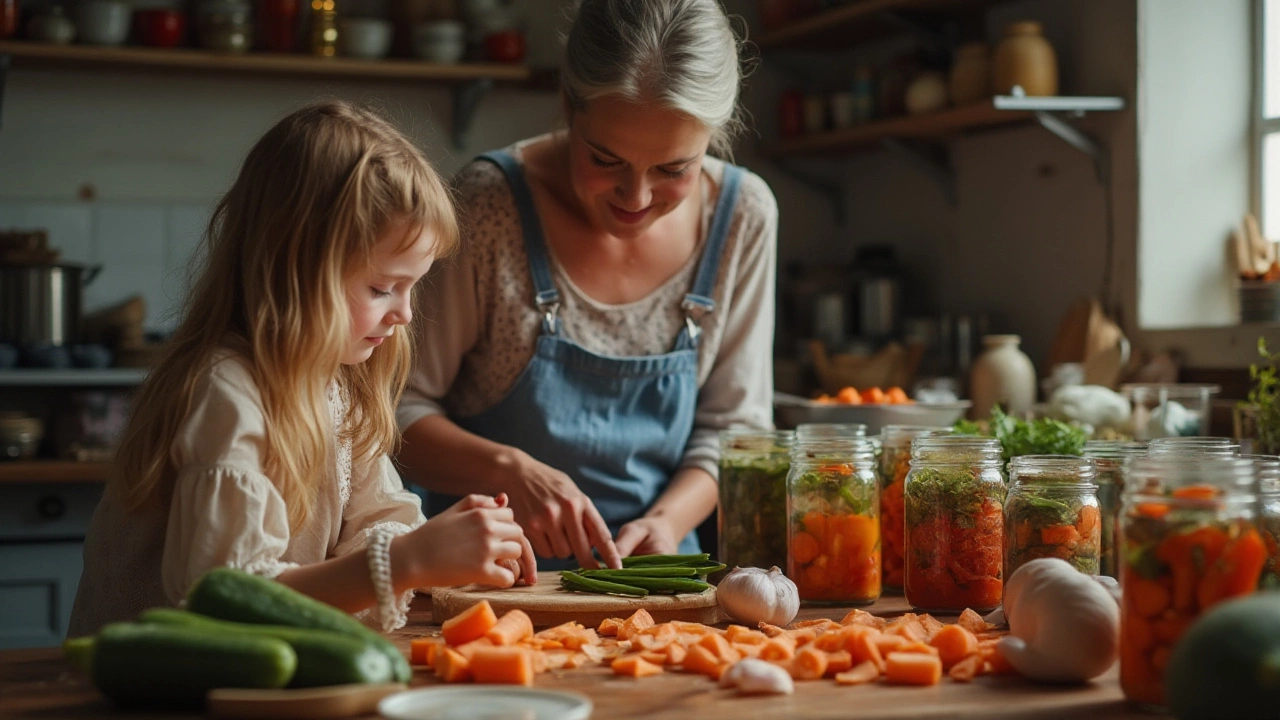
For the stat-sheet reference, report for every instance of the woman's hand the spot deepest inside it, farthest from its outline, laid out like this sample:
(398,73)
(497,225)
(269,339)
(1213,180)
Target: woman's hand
(475,541)
(647,536)
(558,518)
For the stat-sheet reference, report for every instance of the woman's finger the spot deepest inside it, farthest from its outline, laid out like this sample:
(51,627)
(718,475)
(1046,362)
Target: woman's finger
(508,550)
(600,537)
(629,538)
(560,542)
(528,563)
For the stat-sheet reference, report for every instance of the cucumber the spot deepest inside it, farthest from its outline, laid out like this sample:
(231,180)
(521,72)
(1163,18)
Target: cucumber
(324,657)
(156,664)
(229,594)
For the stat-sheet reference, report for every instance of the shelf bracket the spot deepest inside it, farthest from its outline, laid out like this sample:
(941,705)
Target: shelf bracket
(832,190)
(466,100)
(933,160)
(1078,140)
(4,78)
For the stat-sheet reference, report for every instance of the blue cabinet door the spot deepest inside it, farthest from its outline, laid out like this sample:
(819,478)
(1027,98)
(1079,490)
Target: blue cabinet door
(38,583)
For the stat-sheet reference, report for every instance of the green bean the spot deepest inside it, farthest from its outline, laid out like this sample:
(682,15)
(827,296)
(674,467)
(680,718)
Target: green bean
(651,560)
(655,571)
(664,586)
(573,581)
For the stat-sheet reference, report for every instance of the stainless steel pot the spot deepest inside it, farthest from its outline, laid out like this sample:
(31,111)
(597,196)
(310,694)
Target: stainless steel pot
(42,304)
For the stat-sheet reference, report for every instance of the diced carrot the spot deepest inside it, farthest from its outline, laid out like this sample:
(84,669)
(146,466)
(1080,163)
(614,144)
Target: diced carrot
(1000,665)
(863,672)
(1197,492)
(511,628)
(931,624)
(862,617)
(967,669)
(609,627)
(863,648)
(909,627)
(675,654)
(771,630)
(804,548)
(580,638)
(1059,534)
(815,523)
(635,666)
(802,636)
(700,660)
(720,647)
(779,648)
(912,669)
(422,651)
(1088,520)
(889,643)
(739,635)
(820,625)
(915,646)
(972,621)
(654,656)
(502,665)
(746,651)
(451,666)
(838,662)
(954,644)
(1148,597)
(639,620)
(808,664)
(1236,572)
(466,650)
(829,642)
(559,631)
(469,624)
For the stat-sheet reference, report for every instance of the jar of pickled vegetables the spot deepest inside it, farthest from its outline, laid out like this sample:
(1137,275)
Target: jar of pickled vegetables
(895,462)
(1267,468)
(753,497)
(1052,511)
(1190,541)
(805,430)
(833,506)
(1110,457)
(954,503)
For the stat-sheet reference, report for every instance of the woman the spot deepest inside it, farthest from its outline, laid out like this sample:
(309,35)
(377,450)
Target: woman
(612,306)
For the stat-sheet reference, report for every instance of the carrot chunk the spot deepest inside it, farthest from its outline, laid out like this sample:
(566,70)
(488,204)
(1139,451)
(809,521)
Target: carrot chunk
(634,666)
(511,628)
(502,665)
(954,644)
(913,669)
(864,672)
(469,624)
(452,666)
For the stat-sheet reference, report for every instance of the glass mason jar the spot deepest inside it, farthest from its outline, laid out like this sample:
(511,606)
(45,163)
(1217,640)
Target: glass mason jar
(806,430)
(1190,541)
(1052,512)
(1267,468)
(833,510)
(1193,446)
(954,503)
(895,462)
(753,497)
(1110,457)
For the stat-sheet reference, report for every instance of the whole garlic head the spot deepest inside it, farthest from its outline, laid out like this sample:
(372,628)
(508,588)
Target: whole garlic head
(1064,626)
(752,596)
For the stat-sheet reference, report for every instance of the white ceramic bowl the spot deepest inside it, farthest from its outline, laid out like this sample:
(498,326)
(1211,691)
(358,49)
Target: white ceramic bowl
(103,22)
(365,38)
(440,42)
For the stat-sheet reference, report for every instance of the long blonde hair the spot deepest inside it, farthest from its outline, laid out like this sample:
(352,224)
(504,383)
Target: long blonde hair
(309,204)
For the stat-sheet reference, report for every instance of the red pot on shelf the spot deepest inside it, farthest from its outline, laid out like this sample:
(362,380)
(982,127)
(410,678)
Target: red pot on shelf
(278,24)
(504,47)
(160,28)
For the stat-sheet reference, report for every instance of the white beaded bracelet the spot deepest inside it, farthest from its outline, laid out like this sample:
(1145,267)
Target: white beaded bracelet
(379,556)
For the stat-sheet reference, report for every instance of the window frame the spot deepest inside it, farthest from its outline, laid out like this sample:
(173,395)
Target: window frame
(1262,126)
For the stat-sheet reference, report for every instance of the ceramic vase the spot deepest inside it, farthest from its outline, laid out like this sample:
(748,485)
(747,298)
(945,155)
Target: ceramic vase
(1024,58)
(1002,375)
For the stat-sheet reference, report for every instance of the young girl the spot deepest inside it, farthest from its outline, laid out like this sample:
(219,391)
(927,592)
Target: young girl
(260,440)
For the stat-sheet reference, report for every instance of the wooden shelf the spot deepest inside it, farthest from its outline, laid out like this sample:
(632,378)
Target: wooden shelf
(111,377)
(862,20)
(82,57)
(935,126)
(46,471)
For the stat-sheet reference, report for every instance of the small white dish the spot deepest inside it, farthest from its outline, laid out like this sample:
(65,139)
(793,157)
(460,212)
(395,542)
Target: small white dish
(485,702)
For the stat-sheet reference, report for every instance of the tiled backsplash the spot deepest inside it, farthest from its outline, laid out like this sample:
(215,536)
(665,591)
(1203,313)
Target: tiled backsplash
(144,248)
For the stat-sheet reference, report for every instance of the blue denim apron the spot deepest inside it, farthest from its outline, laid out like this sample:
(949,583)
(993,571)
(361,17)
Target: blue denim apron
(617,425)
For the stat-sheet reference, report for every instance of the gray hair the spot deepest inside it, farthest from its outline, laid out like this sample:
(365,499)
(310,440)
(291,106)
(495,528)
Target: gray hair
(681,53)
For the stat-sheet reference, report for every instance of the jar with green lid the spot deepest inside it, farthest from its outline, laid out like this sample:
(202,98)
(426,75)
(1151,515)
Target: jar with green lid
(1190,536)
(1052,512)
(753,497)
(1267,468)
(895,462)
(955,524)
(833,508)
(1110,457)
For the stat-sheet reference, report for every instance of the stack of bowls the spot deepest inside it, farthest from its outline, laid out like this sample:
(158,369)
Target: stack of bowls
(440,41)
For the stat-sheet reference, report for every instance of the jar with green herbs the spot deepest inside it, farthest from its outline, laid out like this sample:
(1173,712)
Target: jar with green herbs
(1190,541)
(1110,456)
(1267,468)
(753,497)
(833,506)
(1052,512)
(895,462)
(955,524)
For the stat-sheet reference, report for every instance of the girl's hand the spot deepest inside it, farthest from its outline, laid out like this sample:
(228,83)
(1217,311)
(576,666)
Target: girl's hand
(469,543)
(647,536)
(558,518)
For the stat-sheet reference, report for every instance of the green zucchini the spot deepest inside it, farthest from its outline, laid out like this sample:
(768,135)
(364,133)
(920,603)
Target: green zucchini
(324,657)
(135,663)
(229,594)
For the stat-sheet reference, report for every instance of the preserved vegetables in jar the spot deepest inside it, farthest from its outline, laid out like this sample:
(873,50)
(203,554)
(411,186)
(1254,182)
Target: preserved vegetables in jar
(1052,512)
(1110,457)
(753,497)
(895,462)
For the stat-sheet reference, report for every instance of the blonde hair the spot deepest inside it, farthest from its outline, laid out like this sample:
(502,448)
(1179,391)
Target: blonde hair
(681,53)
(311,201)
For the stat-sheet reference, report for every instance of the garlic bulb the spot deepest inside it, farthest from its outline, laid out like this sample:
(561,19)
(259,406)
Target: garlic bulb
(757,677)
(753,596)
(1064,626)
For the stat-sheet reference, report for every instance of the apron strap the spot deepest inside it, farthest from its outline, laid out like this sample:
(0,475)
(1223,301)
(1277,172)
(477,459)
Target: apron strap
(698,303)
(546,298)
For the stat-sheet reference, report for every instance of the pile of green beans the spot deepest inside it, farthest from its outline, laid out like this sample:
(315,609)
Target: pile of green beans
(645,575)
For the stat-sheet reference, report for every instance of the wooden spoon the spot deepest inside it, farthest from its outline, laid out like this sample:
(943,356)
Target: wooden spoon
(334,701)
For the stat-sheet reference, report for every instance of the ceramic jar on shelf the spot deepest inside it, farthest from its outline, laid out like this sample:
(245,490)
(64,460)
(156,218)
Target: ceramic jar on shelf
(1024,58)
(970,79)
(1002,375)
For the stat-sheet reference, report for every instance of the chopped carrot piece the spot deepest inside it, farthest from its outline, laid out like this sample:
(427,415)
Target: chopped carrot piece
(639,620)
(702,661)
(1148,597)
(720,648)
(779,648)
(609,627)
(889,643)
(808,664)
(954,644)
(655,657)
(931,624)
(863,672)
(1197,492)
(466,650)
(972,621)
(1000,665)
(862,617)
(838,662)
(511,628)
(909,627)
(502,665)
(469,624)
(804,548)
(452,666)
(746,651)
(912,669)
(919,647)
(422,651)
(635,666)
(1089,519)
(967,669)
(829,642)
(676,654)
(1059,534)
(580,638)
(737,634)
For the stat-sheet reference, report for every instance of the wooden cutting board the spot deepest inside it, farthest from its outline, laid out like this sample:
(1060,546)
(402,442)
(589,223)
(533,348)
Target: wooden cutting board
(548,605)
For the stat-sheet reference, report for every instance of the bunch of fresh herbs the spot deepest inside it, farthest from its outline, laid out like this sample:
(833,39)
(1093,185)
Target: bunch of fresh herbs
(1264,398)
(1045,436)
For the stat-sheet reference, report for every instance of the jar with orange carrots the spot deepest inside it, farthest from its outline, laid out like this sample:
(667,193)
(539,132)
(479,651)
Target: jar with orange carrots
(1052,511)
(1111,457)
(1190,540)
(1268,471)
(833,508)
(895,462)
(954,509)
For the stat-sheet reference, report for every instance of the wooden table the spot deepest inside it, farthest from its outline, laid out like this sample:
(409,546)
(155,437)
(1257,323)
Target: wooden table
(37,683)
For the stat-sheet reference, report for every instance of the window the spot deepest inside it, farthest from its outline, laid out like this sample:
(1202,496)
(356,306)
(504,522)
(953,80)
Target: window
(1267,115)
